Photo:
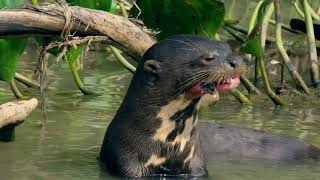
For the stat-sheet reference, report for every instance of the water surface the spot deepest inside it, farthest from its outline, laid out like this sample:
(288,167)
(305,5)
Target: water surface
(68,145)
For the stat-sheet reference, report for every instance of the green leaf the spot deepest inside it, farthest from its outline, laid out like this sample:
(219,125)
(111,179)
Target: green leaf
(10,49)
(10,52)
(202,17)
(74,53)
(253,46)
(11,3)
(263,9)
(105,5)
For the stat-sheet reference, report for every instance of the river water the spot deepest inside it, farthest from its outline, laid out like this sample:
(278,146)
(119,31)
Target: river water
(68,145)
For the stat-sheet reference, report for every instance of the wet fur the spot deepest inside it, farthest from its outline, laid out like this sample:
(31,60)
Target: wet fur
(155,129)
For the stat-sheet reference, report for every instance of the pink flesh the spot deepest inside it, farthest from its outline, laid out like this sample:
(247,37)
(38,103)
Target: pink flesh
(227,86)
(197,89)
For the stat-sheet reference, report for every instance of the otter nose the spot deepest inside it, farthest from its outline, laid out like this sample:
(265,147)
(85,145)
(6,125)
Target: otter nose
(235,61)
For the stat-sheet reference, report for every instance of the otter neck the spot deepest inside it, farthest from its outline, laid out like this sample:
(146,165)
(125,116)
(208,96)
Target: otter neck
(177,121)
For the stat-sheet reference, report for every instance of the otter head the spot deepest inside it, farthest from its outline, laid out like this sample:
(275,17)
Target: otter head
(190,65)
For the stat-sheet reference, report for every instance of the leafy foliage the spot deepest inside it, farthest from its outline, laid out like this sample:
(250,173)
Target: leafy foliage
(10,49)
(253,46)
(10,52)
(202,17)
(262,10)
(74,53)
(10,3)
(105,5)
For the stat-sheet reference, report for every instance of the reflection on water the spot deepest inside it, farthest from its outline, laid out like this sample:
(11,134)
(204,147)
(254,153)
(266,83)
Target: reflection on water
(68,146)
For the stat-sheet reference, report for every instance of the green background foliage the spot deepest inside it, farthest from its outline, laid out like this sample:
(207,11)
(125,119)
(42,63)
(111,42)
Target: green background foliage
(10,3)
(253,46)
(202,17)
(105,5)
(10,49)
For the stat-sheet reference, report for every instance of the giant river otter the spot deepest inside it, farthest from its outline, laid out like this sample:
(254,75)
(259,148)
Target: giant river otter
(156,129)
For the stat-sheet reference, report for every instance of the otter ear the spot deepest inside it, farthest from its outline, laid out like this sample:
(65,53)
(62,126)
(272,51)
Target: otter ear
(152,66)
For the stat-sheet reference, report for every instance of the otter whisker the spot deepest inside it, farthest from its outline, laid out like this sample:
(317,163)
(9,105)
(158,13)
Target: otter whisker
(197,46)
(213,78)
(190,84)
(182,42)
(188,49)
(199,76)
(219,81)
(194,79)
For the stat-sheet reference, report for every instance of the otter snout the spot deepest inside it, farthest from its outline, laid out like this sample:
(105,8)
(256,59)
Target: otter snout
(235,61)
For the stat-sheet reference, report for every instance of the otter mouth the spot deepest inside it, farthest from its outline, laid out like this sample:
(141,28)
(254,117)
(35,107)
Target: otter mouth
(215,87)
(211,82)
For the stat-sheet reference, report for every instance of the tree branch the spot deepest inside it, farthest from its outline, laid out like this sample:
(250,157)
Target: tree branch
(16,112)
(50,20)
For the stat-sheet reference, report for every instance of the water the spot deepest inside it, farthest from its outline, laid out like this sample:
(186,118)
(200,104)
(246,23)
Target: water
(68,146)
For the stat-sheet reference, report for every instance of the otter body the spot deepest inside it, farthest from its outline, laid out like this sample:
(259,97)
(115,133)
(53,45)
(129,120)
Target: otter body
(156,129)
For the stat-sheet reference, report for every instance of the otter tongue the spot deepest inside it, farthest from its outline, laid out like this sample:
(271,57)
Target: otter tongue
(228,86)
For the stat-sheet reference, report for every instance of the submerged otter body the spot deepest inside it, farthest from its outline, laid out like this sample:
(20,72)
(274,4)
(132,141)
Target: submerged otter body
(156,129)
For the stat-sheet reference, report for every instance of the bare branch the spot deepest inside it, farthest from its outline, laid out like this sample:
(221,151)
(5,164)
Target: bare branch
(50,20)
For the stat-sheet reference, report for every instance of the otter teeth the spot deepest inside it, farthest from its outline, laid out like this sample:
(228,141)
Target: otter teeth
(215,91)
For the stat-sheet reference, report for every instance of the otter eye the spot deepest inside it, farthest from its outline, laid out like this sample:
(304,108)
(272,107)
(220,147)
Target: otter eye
(209,58)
